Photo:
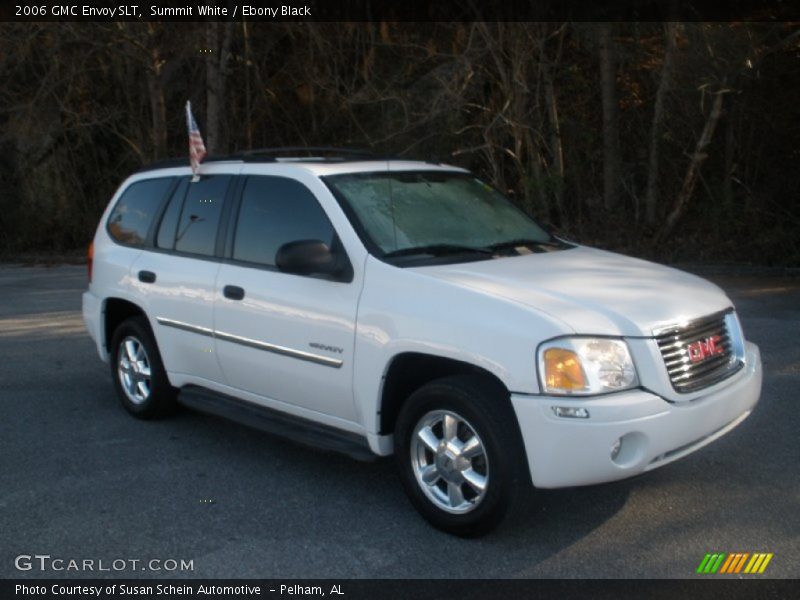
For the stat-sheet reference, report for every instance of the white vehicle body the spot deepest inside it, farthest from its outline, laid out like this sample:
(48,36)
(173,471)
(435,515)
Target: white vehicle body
(322,350)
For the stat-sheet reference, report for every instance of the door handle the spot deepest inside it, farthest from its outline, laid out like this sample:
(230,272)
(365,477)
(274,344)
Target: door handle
(147,277)
(233,292)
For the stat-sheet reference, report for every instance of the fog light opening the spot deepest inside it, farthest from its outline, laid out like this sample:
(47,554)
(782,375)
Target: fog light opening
(615,448)
(628,450)
(571,412)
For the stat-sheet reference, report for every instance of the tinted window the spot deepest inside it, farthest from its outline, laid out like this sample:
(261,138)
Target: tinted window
(132,216)
(169,222)
(197,226)
(275,211)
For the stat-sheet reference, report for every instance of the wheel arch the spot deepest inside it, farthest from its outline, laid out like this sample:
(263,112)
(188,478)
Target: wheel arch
(409,371)
(115,311)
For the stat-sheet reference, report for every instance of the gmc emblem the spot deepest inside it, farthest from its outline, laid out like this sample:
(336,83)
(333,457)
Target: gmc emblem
(703,349)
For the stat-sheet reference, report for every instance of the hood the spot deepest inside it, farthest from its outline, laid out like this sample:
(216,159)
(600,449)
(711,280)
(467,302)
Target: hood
(591,291)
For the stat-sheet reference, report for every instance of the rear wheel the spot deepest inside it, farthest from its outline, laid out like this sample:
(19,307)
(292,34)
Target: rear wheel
(138,373)
(460,454)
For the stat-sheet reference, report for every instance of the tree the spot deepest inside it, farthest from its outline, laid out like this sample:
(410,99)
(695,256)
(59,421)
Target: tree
(217,58)
(695,161)
(608,85)
(671,32)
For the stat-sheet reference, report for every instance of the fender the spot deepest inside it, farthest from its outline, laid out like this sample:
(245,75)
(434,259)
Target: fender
(410,311)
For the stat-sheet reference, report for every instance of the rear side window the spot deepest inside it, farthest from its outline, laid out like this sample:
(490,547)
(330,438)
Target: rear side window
(137,207)
(275,211)
(199,218)
(169,222)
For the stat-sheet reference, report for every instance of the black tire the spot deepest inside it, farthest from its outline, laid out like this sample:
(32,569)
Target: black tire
(485,408)
(161,400)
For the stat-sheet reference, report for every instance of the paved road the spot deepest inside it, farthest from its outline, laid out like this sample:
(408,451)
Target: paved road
(80,479)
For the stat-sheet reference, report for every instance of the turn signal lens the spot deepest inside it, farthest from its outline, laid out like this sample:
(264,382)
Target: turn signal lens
(562,370)
(571,412)
(584,366)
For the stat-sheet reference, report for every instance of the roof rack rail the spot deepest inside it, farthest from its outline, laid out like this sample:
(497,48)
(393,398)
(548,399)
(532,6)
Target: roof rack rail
(321,153)
(166,163)
(275,152)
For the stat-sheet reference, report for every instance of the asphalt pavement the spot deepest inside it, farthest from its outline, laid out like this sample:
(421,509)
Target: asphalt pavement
(82,480)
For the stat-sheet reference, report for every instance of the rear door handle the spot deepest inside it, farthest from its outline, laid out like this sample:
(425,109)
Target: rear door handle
(233,292)
(147,277)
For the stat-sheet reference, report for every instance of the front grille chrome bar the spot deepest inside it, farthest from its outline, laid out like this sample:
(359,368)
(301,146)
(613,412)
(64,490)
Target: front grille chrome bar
(688,375)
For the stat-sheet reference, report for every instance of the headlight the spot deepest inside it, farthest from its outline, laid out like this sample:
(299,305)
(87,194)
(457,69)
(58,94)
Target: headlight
(583,366)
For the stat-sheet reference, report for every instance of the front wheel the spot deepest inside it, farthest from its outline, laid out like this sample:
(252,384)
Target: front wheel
(460,454)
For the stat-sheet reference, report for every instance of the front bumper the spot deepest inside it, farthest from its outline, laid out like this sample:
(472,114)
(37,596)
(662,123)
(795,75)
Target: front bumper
(564,452)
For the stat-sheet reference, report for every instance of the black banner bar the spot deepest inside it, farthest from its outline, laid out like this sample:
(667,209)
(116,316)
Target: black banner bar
(399,589)
(397,10)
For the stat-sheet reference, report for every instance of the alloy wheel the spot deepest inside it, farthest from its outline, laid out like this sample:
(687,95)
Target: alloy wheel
(133,368)
(449,461)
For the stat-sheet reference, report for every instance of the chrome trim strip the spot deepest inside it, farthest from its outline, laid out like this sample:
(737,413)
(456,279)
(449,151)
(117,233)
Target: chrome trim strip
(283,350)
(691,323)
(672,342)
(185,326)
(236,339)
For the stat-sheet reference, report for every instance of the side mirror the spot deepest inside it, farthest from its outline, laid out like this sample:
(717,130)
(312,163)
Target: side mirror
(307,257)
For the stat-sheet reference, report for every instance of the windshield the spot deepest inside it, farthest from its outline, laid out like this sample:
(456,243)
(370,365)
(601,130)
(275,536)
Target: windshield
(434,213)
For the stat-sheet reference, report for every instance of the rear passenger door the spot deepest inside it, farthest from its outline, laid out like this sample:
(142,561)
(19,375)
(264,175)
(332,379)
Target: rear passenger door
(176,277)
(286,338)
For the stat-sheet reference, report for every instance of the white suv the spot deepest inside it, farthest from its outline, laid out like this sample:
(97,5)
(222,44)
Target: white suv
(385,307)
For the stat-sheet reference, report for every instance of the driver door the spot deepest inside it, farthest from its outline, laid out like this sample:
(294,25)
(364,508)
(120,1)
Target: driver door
(287,338)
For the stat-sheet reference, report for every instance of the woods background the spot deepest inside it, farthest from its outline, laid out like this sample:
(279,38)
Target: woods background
(676,141)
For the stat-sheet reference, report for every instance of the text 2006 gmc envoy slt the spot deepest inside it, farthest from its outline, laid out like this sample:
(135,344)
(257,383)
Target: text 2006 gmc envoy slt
(394,307)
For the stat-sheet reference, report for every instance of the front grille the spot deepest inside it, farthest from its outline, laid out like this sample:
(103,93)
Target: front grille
(687,375)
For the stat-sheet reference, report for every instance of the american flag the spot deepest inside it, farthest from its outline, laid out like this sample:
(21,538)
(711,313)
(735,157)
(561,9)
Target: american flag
(197,149)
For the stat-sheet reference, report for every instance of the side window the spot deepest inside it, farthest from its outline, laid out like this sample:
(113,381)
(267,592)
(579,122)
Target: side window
(169,222)
(275,211)
(199,218)
(134,213)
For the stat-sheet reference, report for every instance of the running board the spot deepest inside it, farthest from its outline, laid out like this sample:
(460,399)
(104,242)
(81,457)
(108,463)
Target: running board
(296,429)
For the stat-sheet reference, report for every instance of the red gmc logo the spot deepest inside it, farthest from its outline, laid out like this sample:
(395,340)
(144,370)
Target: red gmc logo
(703,349)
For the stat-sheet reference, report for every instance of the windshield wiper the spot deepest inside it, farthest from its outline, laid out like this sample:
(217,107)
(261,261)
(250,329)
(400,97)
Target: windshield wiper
(437,250)
(525,242)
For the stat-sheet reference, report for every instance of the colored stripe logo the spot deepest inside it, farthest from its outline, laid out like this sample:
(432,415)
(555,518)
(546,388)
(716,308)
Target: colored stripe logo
(735,562)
